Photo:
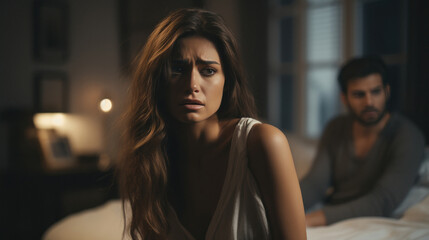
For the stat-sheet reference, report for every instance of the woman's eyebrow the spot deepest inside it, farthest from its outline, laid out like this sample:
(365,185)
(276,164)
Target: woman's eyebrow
(206,62)
(198,62)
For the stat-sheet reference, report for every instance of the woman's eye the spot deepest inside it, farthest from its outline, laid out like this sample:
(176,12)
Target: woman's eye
(177,69)
(208,71)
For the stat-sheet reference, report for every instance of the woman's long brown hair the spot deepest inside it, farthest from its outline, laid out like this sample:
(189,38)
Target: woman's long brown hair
(143,171)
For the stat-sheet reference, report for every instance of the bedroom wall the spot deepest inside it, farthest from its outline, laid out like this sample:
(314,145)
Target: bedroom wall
(92,67)
(416,104)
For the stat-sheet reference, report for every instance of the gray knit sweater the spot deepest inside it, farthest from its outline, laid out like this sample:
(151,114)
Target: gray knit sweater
(371,186)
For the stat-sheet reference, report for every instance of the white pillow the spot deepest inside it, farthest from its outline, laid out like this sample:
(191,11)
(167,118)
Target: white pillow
(424,170)
(414,196)
(420,191)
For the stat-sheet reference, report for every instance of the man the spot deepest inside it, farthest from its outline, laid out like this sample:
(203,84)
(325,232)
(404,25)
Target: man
(367,160)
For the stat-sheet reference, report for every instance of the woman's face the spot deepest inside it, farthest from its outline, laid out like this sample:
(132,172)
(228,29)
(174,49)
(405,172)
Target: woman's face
(195,87)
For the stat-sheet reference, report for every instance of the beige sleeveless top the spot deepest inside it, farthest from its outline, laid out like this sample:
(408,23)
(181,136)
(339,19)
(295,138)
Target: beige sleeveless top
(240,213)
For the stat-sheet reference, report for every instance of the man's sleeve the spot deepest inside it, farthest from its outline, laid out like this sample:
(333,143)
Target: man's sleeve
(393,186)
(318,179)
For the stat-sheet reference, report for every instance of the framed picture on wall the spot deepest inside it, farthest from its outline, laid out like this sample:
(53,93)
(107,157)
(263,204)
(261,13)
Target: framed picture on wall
(57,153)
(51,92)
(50,31)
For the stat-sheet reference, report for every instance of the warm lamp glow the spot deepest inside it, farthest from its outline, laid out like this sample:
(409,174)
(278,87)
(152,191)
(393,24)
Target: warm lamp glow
(48,120)
(106,105)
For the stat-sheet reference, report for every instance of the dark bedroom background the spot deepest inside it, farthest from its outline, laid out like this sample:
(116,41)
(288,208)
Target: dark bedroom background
(61,59)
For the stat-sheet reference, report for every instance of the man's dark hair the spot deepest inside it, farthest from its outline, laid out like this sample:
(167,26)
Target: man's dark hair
(361,67)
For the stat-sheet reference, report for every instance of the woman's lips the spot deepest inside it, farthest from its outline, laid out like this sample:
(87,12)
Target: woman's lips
(192,104)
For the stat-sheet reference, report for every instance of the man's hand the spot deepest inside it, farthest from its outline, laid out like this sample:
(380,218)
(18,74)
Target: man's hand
(316,218)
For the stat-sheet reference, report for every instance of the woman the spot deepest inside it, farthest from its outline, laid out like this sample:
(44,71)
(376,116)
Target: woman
(195,166)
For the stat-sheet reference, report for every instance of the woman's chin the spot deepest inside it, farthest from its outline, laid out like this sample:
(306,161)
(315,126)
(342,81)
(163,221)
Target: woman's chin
(192,118)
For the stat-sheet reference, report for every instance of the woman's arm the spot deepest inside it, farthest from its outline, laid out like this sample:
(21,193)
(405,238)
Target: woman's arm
(271,162)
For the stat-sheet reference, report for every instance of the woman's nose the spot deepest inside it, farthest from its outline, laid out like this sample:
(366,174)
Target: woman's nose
(194,81)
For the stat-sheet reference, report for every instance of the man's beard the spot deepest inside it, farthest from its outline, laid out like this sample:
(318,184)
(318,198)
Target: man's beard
(370,122)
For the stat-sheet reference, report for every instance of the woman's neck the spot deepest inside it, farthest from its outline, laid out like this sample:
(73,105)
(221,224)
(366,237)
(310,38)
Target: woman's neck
(198,141)
(199,133)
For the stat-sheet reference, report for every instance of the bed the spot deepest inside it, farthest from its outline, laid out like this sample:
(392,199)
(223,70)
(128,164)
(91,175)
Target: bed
(410,220)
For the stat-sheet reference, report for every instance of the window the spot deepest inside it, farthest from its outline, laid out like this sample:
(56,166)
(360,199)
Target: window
(323,55)
(305,53)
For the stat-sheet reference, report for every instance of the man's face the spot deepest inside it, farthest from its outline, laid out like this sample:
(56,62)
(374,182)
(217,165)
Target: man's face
(366,99)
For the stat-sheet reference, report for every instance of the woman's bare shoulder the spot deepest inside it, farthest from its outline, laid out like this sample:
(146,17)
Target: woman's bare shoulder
(265,136)
(268,148)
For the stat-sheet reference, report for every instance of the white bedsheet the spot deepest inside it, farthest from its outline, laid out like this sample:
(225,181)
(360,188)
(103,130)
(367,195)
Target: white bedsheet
(101,223)
(413,225)
(106,223)
(371,228)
